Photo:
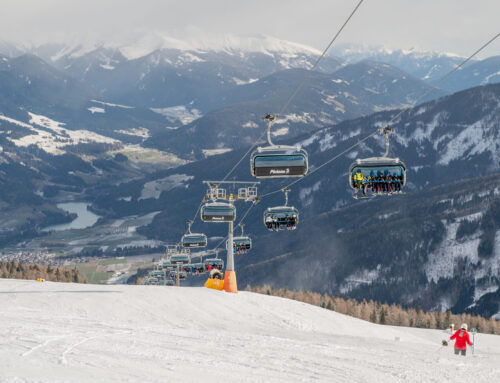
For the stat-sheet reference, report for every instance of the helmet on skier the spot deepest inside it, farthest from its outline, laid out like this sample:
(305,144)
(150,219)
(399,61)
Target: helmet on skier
(464,326)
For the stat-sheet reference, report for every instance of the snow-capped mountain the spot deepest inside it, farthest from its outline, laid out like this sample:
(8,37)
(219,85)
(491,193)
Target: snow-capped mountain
(159,71)
(427,65)
(102,91)
(326,99)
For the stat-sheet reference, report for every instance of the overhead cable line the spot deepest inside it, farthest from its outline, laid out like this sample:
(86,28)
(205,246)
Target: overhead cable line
(297,89)
(441,80)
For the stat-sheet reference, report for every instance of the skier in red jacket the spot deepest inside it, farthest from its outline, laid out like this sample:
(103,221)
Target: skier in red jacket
(461,340)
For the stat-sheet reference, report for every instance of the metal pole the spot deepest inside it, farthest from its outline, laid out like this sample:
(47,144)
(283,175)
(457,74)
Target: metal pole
(230,284)
(178,279)
(474,331)
(230,253)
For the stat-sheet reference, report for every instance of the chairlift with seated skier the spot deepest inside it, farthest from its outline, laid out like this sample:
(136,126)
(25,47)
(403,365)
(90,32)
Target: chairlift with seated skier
(380,175)
(281,218)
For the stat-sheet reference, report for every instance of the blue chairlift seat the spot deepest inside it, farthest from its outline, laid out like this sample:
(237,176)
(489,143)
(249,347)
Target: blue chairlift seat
(281,218)
(242,244)
(279,162)
(214,263)
(182,259)
(218,212)
(194,240)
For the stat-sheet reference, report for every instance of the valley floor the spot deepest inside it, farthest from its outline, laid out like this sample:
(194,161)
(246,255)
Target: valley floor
(56,332)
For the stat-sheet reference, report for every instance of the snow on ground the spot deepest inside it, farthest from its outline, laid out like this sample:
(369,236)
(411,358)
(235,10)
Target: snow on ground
(153,189)
(53,142)
(95,109)
(139,132)
(112,105)
(280,132)
(97,333)
(250,124)
(179,113)
(215,152)
(238,81)
(137,153)
(442,261)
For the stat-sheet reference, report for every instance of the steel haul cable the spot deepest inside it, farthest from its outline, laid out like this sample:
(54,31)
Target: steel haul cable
(401,112)
(297,89)
(292,96)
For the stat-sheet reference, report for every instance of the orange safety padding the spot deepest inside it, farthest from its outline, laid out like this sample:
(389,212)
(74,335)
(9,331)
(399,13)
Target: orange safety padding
(216,284)
(230,284)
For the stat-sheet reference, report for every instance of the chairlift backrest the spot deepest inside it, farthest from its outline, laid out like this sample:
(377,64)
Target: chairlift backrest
(194,240)
(218,212)
(279,162)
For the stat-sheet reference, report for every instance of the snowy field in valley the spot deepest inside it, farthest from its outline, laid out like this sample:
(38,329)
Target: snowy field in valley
(55,332)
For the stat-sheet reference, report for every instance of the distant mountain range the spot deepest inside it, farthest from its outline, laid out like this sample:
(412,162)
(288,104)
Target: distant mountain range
(426,65)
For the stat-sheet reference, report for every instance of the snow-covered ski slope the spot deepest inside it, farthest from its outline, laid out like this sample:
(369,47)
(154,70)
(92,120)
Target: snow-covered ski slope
(56,332)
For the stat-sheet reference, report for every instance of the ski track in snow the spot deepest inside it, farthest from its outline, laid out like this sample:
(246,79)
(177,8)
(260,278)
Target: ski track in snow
(58,332)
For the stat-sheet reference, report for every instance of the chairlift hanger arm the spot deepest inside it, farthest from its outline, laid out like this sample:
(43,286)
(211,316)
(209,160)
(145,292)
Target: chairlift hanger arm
(269,118)
(385,131)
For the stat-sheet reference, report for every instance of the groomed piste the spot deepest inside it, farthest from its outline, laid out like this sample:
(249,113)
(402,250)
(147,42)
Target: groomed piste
(54,332)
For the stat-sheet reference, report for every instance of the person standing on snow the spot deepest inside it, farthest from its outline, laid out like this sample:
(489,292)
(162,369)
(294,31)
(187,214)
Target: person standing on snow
(461,340)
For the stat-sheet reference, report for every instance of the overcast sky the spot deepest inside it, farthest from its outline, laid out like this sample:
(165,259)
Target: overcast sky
(458,26)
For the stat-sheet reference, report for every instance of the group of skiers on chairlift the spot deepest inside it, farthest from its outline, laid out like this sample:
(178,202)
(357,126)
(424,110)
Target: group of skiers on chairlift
(274,222)
(379,183)
(240,248)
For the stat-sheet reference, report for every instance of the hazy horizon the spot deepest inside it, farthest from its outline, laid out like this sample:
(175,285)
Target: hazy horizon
(455,26)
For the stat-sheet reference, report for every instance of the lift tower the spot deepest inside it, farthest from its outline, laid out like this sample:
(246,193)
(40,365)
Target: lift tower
(247,192)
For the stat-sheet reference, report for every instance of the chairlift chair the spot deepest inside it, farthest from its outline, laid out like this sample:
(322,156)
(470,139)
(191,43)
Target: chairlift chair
(152,281)
(280,218)
(214,263)
(193,239)
(167,265)
(187,268)
(241,243)
(278,161)
(180,258)
(198,268)
(218,212)
(375,170)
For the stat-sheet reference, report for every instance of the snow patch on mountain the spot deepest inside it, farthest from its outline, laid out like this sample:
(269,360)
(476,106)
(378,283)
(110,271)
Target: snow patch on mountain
(470,141)
(422,133)
(306,194)
(95,109)
(181,113)
(228,43)
(215,152)
(54,142)
(250,124)
(280,132)
(441,262)
(238,81)
(153,189)
(360,277)
(139,132)
(112,105)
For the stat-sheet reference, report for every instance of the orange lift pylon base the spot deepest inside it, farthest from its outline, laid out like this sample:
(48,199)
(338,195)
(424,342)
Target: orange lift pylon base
(230,284)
